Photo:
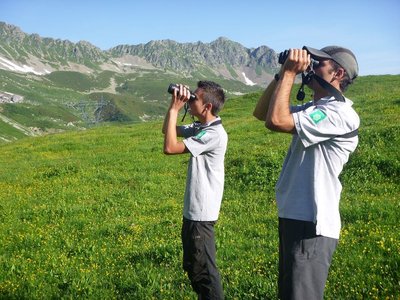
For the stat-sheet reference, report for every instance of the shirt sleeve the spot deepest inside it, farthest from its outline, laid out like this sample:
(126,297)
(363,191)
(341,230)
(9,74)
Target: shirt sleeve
(316,124)
(204,141)
(185,130)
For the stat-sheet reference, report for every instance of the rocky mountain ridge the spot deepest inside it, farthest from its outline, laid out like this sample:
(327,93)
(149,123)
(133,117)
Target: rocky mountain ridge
(21,52)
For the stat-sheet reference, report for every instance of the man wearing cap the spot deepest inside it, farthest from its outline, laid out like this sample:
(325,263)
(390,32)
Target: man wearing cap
(324,133)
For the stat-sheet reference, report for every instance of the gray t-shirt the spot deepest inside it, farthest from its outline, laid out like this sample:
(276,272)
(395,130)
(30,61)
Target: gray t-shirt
(206,173)
(308,188)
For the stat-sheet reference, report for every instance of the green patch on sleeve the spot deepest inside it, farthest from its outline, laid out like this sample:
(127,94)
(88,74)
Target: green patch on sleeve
(200,134)
(317,116)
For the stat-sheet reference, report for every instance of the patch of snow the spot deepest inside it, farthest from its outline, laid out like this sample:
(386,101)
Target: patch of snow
(247,80)
(9,65)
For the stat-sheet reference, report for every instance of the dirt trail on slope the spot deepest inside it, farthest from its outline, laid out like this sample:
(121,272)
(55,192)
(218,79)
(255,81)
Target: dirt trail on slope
(25,130)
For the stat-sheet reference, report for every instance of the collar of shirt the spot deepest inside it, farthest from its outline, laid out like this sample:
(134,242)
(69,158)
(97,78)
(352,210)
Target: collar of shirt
(328,99)
(199,125)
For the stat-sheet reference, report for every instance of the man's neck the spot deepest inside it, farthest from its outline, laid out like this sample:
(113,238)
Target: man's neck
(320,95)
(207,119)
(320,92)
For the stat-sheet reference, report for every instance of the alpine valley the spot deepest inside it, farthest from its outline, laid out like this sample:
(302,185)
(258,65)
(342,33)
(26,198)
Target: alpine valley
(50,85)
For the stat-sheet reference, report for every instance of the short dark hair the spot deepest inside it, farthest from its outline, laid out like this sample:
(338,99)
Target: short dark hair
(214,94)
(346,81)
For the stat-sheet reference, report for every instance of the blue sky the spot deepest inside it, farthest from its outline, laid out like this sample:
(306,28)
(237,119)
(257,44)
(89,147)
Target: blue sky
(371,29)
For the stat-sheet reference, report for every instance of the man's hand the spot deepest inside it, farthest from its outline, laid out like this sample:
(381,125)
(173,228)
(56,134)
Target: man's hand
(297,61)
(179,98)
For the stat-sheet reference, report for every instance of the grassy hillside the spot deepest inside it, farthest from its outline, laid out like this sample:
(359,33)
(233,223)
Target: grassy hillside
(96,214)
(66,100)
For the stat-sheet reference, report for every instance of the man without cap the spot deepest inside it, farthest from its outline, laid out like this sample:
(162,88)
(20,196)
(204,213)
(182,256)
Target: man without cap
(324,133)
(206,141)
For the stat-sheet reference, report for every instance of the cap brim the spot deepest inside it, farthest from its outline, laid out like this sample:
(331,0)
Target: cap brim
(315,53)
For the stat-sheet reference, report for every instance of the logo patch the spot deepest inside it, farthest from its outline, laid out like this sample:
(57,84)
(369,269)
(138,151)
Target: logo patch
(200,134)
(317,116)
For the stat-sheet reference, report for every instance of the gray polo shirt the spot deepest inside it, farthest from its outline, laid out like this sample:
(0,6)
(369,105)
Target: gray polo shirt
(205,175)
(308,188)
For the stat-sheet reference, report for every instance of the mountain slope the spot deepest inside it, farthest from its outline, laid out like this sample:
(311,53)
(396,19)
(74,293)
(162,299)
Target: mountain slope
(66,86)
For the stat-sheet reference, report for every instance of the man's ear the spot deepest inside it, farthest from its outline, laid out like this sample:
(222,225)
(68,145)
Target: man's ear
(340,73)
(209,106)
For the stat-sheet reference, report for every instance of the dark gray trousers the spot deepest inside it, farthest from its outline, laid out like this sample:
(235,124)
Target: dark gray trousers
(199,261)
(304,260)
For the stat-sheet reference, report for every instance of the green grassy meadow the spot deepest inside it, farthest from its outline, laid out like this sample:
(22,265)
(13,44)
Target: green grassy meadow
(96,214)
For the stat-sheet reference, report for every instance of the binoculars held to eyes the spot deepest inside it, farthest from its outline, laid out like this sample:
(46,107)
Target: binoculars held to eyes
(284,55)
(172,87)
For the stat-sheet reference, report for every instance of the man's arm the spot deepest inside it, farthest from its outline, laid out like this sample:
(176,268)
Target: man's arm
(261,109)
(165,124)
(171,143)
(279,118)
